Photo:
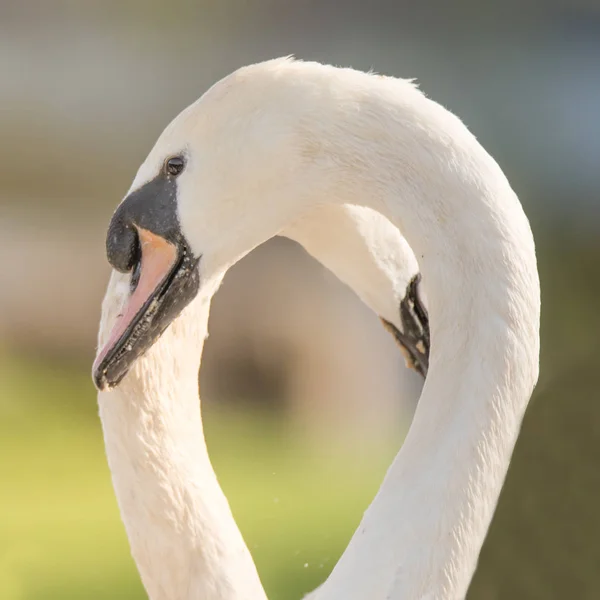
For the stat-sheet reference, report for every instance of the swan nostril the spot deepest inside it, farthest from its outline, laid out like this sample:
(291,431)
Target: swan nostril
(135,253)
(135,275)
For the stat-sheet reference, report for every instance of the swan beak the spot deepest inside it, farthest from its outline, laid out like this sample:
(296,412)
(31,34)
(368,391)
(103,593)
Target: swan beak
(167,279)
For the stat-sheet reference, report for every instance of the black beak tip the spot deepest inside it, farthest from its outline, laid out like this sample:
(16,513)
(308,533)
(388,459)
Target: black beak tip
(99,378)
(104,381)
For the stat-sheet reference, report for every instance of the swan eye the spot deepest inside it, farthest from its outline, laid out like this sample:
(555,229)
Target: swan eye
(174,165)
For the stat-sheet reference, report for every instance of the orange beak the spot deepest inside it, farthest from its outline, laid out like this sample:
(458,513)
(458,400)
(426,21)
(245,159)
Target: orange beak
(149,309)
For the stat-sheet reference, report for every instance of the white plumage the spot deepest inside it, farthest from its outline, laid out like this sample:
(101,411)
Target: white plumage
(313,151)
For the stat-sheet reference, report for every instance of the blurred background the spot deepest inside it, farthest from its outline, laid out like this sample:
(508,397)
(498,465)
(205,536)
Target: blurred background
(85,89)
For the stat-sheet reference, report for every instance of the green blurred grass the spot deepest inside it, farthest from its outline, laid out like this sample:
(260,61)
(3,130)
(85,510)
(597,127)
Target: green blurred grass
(297,503)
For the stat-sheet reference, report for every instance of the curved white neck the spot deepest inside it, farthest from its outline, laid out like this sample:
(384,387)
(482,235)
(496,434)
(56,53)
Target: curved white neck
(182,534)
(364,250)
(421,537)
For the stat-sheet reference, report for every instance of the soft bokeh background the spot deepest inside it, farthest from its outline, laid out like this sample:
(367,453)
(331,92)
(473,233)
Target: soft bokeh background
(85,89)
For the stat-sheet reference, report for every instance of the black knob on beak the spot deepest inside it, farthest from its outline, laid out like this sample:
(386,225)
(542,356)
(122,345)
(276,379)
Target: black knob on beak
(153,207)
(122,244)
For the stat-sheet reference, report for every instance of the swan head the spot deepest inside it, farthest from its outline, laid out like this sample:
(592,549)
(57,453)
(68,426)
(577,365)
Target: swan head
(220,180)
(145,241)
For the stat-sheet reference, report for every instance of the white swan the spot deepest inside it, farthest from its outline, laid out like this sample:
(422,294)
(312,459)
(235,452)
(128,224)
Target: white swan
(264,147)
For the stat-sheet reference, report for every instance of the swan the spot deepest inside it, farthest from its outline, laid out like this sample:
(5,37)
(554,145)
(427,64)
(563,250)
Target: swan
(258,154)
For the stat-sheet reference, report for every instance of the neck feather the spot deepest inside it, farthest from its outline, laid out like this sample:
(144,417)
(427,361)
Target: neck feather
(421,168)
(182,534)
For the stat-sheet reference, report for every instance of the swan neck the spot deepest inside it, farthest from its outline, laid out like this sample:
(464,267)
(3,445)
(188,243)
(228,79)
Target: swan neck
(422,535)
(182,534)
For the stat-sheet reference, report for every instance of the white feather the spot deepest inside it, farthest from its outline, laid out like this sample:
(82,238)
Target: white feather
(312,151)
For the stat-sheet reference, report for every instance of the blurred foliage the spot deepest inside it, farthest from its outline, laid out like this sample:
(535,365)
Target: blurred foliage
(297,503)
(545,538)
